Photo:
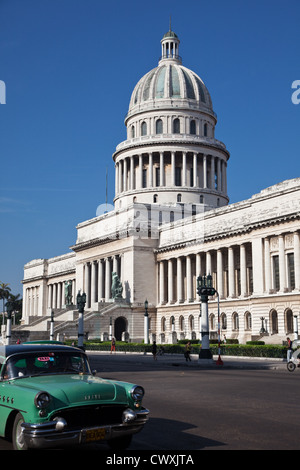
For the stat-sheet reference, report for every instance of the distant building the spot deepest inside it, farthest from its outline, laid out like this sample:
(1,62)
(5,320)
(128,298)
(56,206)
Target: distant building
(171,222)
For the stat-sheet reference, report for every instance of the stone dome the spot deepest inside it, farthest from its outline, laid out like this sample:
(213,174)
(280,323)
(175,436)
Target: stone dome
(170,84)
(171,156)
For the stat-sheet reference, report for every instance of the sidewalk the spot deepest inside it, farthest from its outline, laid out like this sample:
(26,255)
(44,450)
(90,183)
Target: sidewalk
(178,360)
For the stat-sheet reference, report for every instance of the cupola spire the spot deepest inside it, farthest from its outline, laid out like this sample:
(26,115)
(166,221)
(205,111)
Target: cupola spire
(170,46)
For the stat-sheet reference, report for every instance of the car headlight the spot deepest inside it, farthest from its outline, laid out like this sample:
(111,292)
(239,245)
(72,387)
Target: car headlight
(42,399)
(137,393)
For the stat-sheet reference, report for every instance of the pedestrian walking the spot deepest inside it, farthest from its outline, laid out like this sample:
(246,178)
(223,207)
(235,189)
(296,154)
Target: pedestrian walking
(113,345)
(289,350)
(154,350)
(187,352)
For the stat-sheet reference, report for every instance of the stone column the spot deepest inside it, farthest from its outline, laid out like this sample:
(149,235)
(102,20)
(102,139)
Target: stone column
(50,287)
(172,168)
(220,274)
(107,280)
(161,168)
(100,280)
(125,174)
(189,292)
(243,270)
(179,280)
(161,283)
(204,171)
(117,178)
(170,281)
(184,179)
(93,282)
(87,285)
(120,176)
(150,179)
(231,287)
(268,282)
(59,295)
(208,263)
(297,260)
(132,172)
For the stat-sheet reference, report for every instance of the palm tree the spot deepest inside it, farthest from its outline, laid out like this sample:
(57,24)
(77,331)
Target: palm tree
(4,294)
(17,306)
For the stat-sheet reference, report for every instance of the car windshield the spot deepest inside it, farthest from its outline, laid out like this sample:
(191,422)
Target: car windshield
(29,364)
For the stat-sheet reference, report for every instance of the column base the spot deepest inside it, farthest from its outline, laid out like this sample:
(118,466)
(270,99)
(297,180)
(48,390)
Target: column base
(205,354)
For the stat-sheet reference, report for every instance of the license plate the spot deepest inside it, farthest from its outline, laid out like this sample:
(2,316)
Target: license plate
(94,435)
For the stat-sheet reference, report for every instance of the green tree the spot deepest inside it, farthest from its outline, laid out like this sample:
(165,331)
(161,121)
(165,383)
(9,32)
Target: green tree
(17,306)
(4,294)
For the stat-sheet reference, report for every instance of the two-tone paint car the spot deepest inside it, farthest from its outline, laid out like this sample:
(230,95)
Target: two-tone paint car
(49,397)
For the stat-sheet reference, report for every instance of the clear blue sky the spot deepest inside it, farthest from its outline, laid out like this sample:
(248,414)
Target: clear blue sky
(70,67)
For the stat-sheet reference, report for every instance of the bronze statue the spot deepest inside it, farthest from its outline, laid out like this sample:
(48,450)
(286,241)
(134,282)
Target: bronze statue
(116,287)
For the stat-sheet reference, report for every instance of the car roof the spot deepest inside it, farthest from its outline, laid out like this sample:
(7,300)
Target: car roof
(6,351)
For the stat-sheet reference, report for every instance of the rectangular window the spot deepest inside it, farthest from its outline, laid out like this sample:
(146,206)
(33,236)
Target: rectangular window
(145,178)
(157,176)
(191,177)
(177,176)
(276,282)
(291,271)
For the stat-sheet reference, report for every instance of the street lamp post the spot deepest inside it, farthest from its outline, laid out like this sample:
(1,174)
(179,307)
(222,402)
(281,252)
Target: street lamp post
(52,326)
(9,309)
(81,300)
(205,290)
(146,323)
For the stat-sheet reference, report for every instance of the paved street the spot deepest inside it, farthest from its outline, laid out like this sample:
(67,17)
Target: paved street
(251,405)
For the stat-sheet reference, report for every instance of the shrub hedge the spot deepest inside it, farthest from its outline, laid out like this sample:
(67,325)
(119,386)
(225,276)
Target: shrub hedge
(248,350)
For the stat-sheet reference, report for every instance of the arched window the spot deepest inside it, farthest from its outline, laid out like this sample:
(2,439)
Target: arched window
(248,321)
(178,197)
(191,322)
(289,325)
(176,126)
(193,127)
(155,198)
(144,128)
(235,321)
(274,322)
(223,321)
(159,126)
(132,132)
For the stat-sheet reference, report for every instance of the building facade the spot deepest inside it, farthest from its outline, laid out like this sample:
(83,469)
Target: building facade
(170,223)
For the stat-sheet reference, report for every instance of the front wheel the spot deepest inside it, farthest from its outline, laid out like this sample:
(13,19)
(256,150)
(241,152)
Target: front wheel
(291,366)
(120,443)
(17,435)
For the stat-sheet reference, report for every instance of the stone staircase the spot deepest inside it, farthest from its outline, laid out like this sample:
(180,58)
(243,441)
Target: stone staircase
(66,324)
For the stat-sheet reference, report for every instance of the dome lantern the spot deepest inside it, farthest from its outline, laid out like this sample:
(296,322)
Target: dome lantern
(170,47)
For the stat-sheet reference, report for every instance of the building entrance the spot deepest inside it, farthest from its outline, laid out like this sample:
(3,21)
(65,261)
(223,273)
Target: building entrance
(120,328)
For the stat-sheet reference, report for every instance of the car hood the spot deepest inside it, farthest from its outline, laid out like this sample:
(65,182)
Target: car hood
(70,390)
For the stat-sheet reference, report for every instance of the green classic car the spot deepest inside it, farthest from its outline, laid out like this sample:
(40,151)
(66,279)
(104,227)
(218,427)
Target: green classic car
(49,397)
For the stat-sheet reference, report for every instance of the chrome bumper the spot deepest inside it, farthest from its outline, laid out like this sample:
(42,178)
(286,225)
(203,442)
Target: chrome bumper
(53,433)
